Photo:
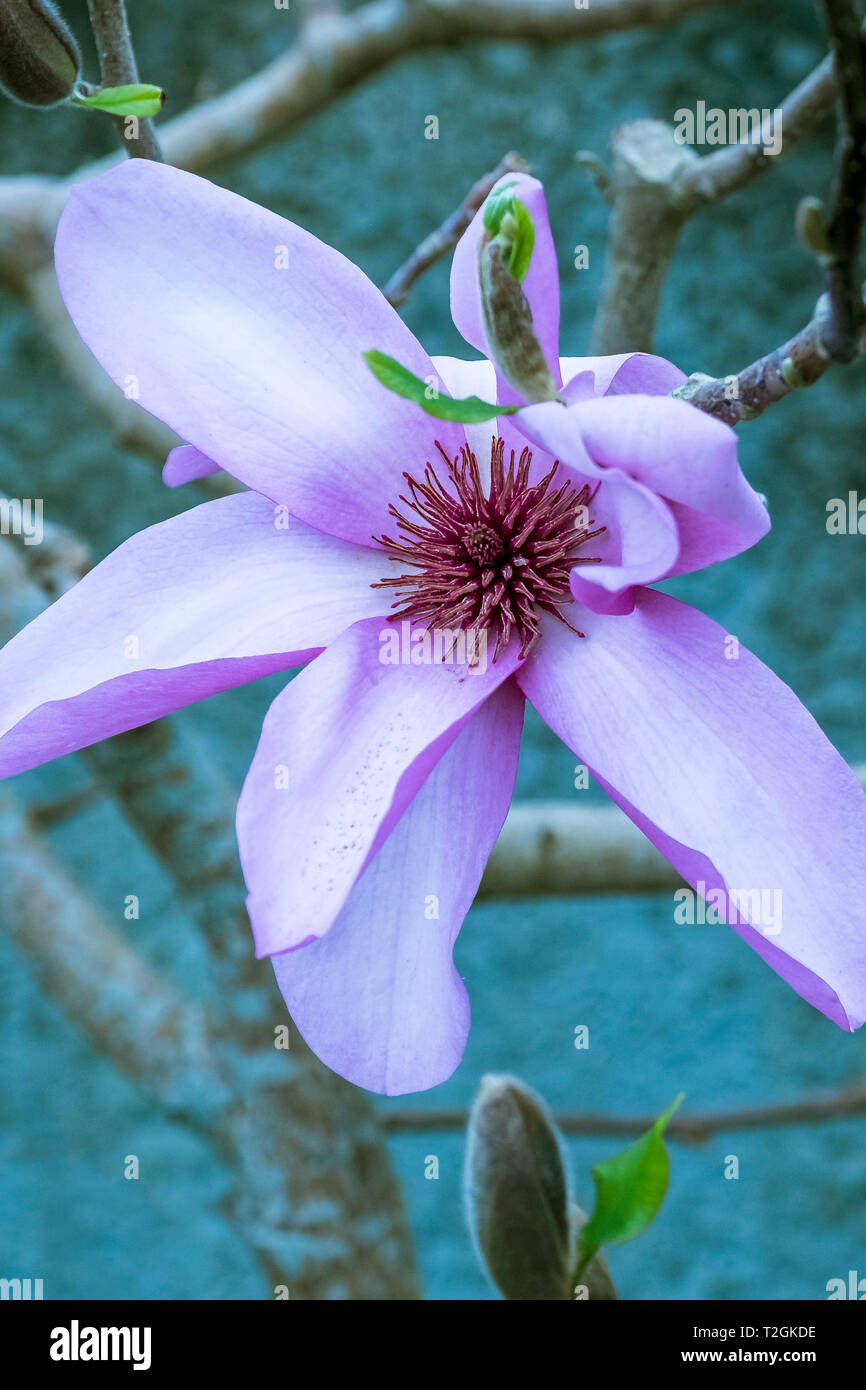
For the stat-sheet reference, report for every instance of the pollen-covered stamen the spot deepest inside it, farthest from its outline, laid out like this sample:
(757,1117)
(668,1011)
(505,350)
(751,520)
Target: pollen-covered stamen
(488,561)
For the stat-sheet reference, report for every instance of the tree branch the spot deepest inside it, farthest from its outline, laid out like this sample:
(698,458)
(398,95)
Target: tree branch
(843,327)
(657,185)
(745,395)
(835,334)
(103,985)
(732,167)
(688,1129)
(118,67)
(336,52)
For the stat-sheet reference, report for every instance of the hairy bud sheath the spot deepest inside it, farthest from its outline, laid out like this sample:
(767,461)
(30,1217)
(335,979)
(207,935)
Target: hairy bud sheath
(510,331)
(517,1198)
(39,58)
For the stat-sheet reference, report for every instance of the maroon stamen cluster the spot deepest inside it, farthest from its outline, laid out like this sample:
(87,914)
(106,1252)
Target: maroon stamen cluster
(488,562)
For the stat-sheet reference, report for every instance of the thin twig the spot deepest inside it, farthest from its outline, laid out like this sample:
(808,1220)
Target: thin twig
(745,395)
(688,1129)
(439,243)
(835,334)
(118,67)
(732,167)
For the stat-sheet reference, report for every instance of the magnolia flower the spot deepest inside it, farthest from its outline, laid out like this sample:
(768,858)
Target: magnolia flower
(381,781)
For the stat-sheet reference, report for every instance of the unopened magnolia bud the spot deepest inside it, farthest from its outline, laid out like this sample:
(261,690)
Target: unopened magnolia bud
(39,57)
(811,225)
(510,331)
(516,1187)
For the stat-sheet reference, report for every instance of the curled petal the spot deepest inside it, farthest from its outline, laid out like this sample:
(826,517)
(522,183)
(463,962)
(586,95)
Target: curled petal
(185,464)
(627,373)
(685,458)
(719,764)
(378,999)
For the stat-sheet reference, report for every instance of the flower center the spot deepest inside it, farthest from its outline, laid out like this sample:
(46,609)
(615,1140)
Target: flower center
(482,544)
(488,560)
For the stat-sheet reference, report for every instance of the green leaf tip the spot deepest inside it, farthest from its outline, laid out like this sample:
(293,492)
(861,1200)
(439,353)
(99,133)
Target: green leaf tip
(135,99)
(471,410)
(509,221)
(629,1191)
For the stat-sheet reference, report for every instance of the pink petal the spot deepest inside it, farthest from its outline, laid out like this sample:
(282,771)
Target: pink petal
(686,459)
(629,373)
(185,464)
(541,285)
(721,766)
(215,597)
(245,334)
(378,999)
(641,540)
(343,751)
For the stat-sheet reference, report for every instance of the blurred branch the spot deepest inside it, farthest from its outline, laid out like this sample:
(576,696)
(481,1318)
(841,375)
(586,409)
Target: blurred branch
(118,67)
(101,983)
(835,334)
(439,243)
(689,1129)
(312,1190)
(657,184)
(335,52)
(645,222)
(556,847)
(731,167)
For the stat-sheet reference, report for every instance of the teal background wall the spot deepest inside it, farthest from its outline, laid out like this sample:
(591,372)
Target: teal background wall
(669,1008)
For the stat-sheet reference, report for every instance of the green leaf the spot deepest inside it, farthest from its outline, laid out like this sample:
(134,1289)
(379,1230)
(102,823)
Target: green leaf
(469,411)
(519,231)
(629,1191)
(509,222)
(497,205)
(135,99)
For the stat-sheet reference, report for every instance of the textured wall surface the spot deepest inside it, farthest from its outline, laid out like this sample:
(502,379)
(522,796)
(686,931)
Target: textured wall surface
(669,1007)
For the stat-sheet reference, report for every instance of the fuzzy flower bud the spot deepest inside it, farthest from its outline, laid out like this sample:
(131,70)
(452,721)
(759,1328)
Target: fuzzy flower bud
(516,1190)
(508,322)
(39,57)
